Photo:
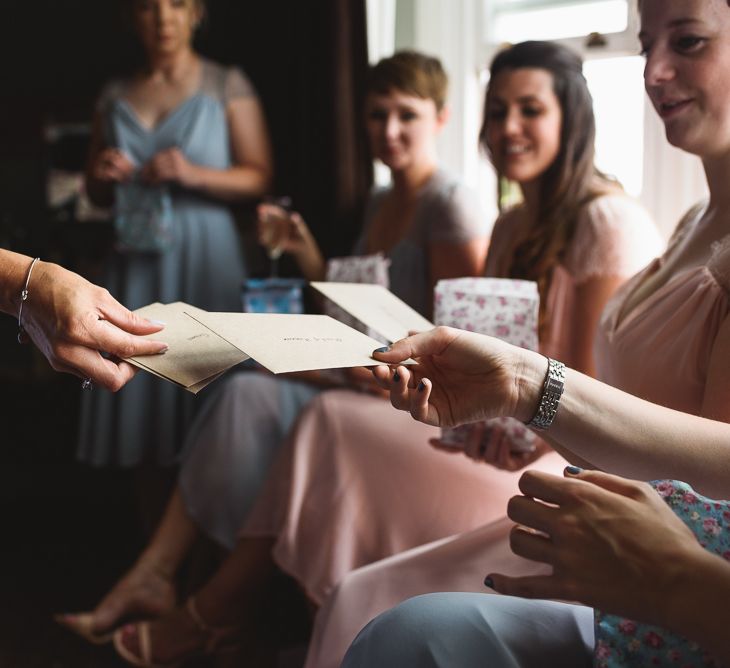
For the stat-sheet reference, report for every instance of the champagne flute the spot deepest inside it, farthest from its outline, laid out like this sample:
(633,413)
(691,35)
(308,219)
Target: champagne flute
(271,235)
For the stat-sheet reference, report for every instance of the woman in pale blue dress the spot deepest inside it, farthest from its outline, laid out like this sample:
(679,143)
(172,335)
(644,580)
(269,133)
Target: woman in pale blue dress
(171,147)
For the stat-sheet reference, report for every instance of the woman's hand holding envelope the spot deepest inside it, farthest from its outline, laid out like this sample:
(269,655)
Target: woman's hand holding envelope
(461,377)
(73,321)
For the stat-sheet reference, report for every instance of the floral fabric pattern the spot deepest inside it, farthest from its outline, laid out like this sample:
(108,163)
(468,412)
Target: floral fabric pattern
(622,642)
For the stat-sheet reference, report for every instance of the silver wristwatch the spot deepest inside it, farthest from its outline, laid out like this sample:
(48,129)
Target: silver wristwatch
(552,390)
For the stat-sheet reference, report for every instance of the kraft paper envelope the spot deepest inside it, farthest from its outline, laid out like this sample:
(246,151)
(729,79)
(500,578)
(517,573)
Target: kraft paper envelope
(376,307)
(284,343)
(197,356)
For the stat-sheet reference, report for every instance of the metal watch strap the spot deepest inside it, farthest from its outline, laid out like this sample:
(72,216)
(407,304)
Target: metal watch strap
(552,390)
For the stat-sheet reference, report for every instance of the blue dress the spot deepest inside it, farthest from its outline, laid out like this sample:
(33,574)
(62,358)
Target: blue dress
(201,264)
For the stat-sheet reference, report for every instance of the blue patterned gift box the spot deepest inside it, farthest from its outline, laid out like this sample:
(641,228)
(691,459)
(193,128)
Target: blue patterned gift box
(273,295)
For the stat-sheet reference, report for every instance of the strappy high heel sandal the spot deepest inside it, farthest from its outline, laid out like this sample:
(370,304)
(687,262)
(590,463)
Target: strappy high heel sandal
(81,623)
(216,639)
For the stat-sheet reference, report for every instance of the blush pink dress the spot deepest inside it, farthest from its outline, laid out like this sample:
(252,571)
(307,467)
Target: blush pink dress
(660,350)
(357,481)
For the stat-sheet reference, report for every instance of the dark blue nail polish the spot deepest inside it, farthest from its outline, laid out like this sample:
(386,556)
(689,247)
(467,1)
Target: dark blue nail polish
(421,386)
(384,349)
(396,377)
(573,470)
(488,582)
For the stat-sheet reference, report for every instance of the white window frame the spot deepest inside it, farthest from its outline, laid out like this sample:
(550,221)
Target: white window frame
(623,43)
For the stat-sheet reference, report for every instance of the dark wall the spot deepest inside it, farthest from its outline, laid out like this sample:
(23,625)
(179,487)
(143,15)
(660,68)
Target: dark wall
(56,54)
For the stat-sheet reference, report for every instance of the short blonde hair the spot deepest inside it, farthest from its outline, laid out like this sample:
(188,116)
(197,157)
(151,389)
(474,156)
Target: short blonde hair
(413,73)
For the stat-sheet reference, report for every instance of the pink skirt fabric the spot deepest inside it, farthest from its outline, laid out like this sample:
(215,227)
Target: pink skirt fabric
(455,564)
(358,482)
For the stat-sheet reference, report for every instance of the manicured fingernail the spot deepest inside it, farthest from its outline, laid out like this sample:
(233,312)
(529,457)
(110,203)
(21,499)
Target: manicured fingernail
(164,350)
(573,470)
(421,386)
(396,377)
(488,582)
(384,349)
(158,322)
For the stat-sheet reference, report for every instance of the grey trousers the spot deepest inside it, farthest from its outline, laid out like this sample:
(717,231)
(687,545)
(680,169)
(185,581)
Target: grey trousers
(464,630)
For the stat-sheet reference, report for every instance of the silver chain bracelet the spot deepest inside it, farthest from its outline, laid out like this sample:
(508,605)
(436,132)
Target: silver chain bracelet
(23,298)
(552,390)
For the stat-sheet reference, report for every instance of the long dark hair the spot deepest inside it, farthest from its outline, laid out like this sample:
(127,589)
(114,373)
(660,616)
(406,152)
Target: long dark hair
(572,180)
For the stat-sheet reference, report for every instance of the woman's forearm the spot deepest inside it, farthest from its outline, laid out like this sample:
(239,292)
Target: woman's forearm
(13,270)
(623,434)
(236,183)
(465,377)
(312,264)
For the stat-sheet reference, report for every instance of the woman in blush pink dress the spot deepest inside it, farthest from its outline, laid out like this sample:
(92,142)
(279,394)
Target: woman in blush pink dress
(665,336)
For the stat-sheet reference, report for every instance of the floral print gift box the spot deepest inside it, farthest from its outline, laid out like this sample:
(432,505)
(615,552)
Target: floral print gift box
(501,307)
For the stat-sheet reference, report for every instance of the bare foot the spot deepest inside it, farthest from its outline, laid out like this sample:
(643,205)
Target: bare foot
(144,592)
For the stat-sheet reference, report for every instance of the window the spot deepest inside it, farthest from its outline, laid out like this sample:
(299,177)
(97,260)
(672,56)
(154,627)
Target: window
(519,20)
(617,87)
(610,23)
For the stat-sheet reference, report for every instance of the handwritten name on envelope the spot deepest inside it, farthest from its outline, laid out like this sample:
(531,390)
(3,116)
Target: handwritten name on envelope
(284,343)
(376,307)
(197,356)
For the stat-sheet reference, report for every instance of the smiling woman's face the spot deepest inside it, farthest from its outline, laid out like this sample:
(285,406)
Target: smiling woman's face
(523,123)
(687,74)
(402,128)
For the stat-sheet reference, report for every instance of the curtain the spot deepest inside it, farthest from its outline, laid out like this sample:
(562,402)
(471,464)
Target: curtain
(308,61)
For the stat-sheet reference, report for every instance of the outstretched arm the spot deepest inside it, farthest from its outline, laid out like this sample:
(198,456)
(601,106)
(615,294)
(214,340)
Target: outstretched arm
(73,321)
(464,377)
